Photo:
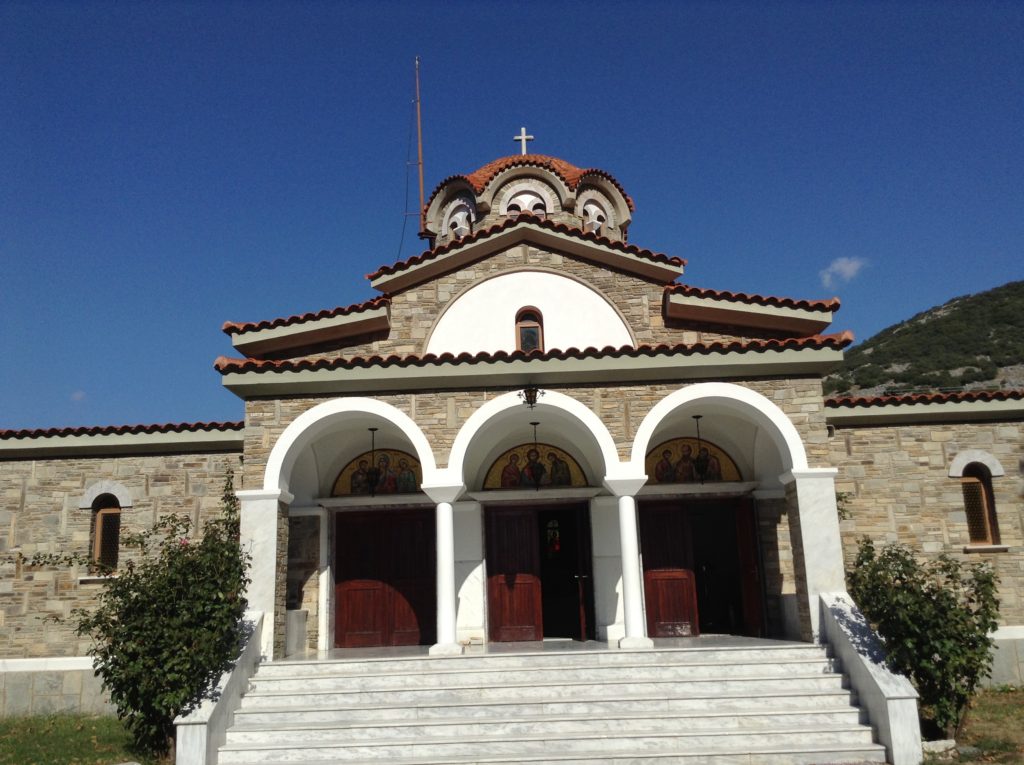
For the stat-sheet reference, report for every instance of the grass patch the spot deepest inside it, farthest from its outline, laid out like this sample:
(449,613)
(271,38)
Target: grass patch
(995,728)
(66,740)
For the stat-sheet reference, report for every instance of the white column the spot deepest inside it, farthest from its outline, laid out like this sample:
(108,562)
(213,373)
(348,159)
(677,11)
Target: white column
(444,496)
(325,624)
(632,592)
(258,537)
(819,536)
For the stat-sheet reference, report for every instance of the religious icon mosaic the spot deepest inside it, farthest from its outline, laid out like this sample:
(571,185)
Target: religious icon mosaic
(389,470)
(685,460)
(533,466)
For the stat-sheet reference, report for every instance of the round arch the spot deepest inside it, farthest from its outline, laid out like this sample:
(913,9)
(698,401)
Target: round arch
(965,458)
(741,401)
(118,490)
(311,424)
(565,405)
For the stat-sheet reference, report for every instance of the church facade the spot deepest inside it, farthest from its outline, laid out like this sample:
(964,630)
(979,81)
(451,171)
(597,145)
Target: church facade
(534,431)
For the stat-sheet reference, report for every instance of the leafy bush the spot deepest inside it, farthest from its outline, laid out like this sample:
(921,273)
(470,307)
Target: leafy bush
(936,619)
(170,622)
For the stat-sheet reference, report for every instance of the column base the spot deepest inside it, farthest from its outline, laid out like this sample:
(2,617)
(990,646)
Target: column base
(446,649)
(636,642)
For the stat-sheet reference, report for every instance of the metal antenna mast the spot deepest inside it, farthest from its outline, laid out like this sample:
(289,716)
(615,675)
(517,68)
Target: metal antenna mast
(419,142)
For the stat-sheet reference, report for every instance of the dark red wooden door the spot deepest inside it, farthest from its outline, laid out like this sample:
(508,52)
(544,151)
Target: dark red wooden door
(750,571)
(385,589)
(669,588)
(514,606)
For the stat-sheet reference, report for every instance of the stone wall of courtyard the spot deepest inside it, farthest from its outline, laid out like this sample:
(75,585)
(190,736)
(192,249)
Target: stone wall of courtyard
(40,513)
(898,489)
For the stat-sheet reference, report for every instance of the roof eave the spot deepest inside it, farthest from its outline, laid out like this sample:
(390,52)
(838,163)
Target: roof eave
(767,317)
(417,274)
(925,413)
(188,442)
(671,366)
(316,331)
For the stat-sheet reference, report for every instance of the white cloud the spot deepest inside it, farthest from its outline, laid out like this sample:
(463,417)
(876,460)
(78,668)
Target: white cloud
(78,395)
(841,270)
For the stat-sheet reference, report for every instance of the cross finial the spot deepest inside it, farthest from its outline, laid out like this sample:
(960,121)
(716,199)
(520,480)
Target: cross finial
(522,138)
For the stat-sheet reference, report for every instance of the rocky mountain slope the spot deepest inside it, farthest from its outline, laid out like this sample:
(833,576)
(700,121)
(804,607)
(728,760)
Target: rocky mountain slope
(971,342)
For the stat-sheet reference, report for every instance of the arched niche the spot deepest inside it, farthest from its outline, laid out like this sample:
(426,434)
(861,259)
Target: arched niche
(743,423)
(504,423)
(319,443)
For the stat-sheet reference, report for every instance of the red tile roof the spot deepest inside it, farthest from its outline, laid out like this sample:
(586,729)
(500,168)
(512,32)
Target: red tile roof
(966,396)
(226,365)
(526,217)
(120,430)
(742,297)
(571,174)
(237,328)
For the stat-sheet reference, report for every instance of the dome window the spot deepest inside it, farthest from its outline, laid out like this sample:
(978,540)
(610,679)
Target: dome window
(528,201)
(460,221)
(529,330)
(594,217)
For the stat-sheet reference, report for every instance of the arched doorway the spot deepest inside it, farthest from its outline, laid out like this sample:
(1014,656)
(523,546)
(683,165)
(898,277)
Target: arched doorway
(534,472)
(715,455)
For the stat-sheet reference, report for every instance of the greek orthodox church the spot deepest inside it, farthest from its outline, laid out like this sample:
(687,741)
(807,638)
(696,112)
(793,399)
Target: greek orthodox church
(534,432)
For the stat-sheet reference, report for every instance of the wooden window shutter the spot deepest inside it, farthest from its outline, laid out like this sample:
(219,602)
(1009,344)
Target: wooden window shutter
(977,509)
(107,538)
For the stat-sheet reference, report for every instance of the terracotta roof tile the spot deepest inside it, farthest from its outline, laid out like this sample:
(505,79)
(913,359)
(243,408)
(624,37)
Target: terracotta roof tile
(120,430)
(571,174)
(525,217)
(237,328)
(226,365)
(966,396)
(742,297)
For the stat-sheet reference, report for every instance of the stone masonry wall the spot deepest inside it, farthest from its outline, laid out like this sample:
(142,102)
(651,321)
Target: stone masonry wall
(415,311)
(40,513)
(898,490)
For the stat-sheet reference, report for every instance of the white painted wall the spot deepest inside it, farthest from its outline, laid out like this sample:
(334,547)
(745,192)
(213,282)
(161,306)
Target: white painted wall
(483,318)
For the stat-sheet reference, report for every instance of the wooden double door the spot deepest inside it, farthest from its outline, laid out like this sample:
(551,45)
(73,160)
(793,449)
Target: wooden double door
(701,571)
(385,578)
(539,581)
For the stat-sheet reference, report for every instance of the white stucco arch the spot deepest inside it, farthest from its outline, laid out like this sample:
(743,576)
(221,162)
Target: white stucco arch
(564,404)
(966,457)
(482,317)
(311,424)
(124,497)
(743,402)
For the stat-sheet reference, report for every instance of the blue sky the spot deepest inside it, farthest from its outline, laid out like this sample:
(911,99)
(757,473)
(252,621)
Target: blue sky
(166,167)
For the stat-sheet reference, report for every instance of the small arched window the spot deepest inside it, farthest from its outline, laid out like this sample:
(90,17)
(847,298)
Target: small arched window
(529,330)
(528,201)
(979,504)
(594,217)
(106,530)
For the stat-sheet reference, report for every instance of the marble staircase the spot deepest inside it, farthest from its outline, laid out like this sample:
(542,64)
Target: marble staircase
(773,703)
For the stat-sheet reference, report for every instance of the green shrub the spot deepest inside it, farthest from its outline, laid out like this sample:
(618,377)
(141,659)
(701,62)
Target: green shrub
(170,622)
(936,619)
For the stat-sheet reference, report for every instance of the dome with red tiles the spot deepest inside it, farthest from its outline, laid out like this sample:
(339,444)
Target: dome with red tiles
(547,187)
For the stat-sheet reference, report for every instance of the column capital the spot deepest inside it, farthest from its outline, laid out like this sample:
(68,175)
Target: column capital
(439,493)
(257,495)
(803,474)
(624,486)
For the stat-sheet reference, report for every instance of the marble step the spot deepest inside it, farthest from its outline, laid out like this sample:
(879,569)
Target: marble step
(459,676)
(310,746)
(804,754)
(253,733)
(549,658)
(296,708)
(403,694)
